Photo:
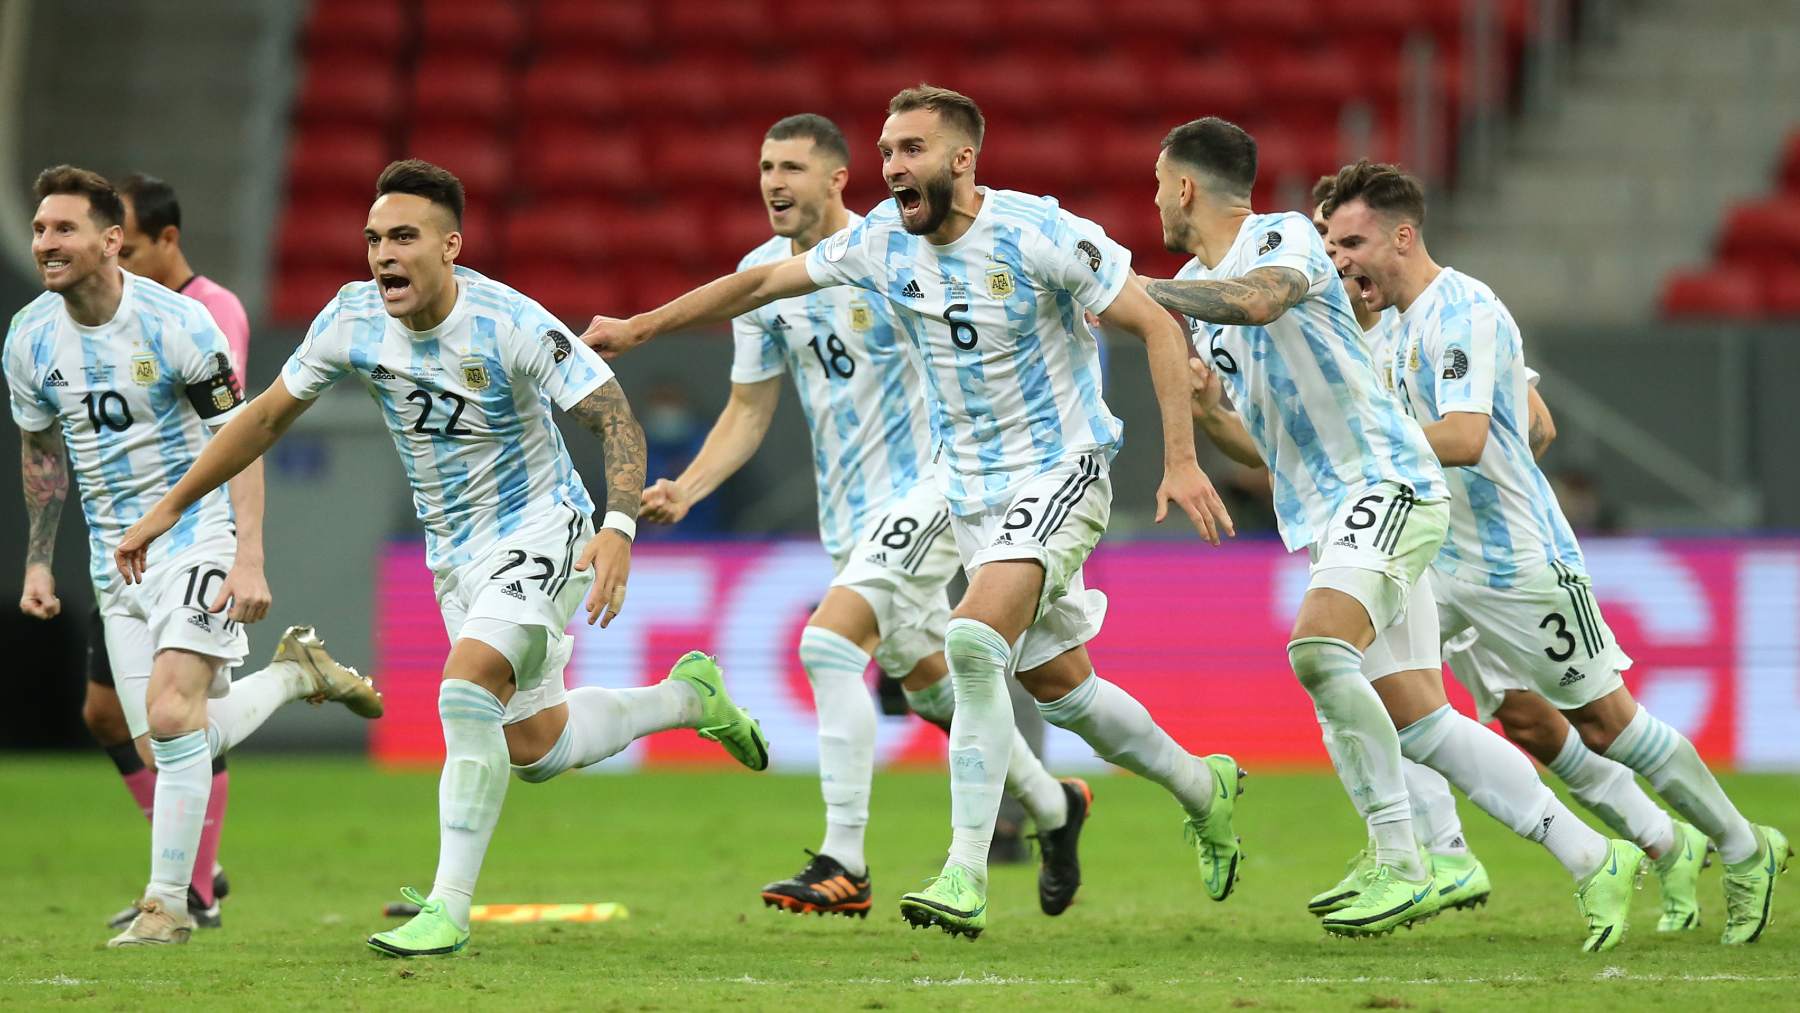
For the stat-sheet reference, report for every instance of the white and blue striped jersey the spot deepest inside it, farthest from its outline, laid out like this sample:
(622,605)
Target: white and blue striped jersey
(1012,372)
(1460,351)
(136,398)
(1380,340)
(859,389)
(1306,387)
(467,402)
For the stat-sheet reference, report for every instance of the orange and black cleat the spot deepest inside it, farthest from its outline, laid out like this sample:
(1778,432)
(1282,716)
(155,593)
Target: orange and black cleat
(823,887)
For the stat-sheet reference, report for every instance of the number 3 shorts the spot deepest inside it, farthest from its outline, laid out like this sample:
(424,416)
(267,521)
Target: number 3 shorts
(1544,634)
(901,566)
(168,612)
(1056,519)
(517,597)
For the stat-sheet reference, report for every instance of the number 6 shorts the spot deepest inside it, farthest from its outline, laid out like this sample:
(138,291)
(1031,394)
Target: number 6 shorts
(517,596)
(168,612)
(1054,519)
(1378,544)
(901,565)
(1544,634)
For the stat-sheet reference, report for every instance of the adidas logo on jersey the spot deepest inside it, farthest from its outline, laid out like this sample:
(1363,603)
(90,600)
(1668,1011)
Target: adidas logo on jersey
(1348,541)
(912,290)
(381,372)
(55,379)
(1571,677)
(779,323)
(200,619)
(513,590)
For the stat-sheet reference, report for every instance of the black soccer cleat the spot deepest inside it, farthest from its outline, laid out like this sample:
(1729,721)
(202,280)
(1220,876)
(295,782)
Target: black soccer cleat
(823,887)
(1059,872)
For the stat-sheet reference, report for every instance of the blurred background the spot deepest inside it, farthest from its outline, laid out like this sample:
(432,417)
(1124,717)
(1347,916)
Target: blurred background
(1624,173)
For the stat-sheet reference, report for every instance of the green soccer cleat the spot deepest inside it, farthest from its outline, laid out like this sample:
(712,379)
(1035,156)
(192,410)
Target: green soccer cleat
(430,933)
(1461,881)
(1214,840)
(1386,902)
(1679,873)
(1750,891)
(952,902)
(1347,889)
(1605,898)
(721,720)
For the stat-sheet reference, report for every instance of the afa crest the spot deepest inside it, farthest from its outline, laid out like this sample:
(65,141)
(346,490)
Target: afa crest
(1000,283)
(862,317)
(223,397)
(474,373)
(143,369)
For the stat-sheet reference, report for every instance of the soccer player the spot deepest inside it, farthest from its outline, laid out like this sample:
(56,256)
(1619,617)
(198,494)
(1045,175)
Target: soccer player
(1607,789)
(130,378)
(1511,568)
(989,287)
(1357,485)
(151,247)
(882,520)
(465,370)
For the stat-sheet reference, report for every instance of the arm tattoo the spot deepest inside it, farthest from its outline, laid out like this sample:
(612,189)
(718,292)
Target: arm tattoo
(1243,300)
(1537,438)
(46,481)
(607,414)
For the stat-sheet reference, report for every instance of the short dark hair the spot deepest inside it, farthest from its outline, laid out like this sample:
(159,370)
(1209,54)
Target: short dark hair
(422,179)
(823,133)
(1387,189)
(1219,148)
(955,108)
(104,206)
(1323,189)
(153,201)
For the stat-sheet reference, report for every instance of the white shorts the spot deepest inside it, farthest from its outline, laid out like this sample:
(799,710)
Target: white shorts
(1376,546)
(901,565)
(1545,634)
(1411,644)
(1055,519)
(518,597)
(168,612)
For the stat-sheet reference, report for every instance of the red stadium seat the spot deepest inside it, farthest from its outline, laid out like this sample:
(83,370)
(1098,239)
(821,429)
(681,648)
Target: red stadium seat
(559,229)
(690,89)
(1056,21)
(482,249)
(575,86)
(456,89)
(771,91)
(349,90)
(1728,292)
(1043,160)
(1278,21)
(728,27)
(574,294)
(689,158)
(1782,291)
(833,24)
(580,27)
(478,157)
(320,233)
(559,159)
(870,85)
(1008,85)
(300,294)
(1180,22)
(490,27)
(328,161)
(739,227)
(1108,85)
(1759,231)
(1213,86)
(371,29)
(1790,163)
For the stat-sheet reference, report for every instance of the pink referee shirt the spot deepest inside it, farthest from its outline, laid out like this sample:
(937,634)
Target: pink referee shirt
(227,312)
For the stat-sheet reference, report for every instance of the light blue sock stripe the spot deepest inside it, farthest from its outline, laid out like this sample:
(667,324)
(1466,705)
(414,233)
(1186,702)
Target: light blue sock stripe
(1073,703)
(1569,757)
(179,750)
(969,635)
(831,654)
(468,701)
(814,639)
(1423,726)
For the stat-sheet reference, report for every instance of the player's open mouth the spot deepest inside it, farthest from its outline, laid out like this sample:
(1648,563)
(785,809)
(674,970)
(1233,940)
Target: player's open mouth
(393,286)
(53,265)
(780,204)
(909,200)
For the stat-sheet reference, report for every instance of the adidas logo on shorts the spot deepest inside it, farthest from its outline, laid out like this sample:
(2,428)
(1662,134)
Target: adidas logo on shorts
(381,372)
(55,379)
(513,590)
(1348,542)
(201,620)
(912,290)
(1571,677)
(878,557)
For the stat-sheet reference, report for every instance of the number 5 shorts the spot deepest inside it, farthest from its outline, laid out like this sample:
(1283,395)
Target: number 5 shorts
(1055,519)
(518,596)
(1378,543)
(168,612)
(1544,634)
(901,565)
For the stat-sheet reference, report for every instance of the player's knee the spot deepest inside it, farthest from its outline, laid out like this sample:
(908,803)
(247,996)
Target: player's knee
(170,715)
(823,652)
(1531,729)
(976,650)
(1318,660)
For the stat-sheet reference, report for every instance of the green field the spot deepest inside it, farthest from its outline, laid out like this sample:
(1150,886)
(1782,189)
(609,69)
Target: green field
(315,847)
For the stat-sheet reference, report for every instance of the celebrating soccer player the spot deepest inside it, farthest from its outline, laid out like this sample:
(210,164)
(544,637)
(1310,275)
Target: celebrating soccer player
(989,287)
(132,378)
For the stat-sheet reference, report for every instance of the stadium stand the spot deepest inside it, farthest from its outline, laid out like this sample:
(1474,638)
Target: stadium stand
(1755,271)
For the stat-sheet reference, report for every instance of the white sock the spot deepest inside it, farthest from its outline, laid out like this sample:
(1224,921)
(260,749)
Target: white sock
(603,721)
(231,718)
(470,791)
(981,734)
(1609,790)
(846,740)
(1668,761)
(183,787)
(1041,794)
(1501,781)
(1365,749)
(1122,732)
(1436,825)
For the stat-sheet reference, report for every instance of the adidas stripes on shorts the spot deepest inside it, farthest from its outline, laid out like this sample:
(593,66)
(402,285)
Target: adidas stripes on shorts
(901,565)
(1377,544)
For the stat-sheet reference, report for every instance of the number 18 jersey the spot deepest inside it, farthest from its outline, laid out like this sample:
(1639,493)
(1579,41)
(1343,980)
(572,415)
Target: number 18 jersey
(467,404)
(861,394)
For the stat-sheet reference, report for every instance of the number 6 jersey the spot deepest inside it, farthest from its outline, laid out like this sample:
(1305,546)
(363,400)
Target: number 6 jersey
(467,403)
(135,397)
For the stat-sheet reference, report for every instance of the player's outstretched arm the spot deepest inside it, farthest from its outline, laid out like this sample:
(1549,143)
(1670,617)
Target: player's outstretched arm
(232,449)
(1258,298)
(1541,427)
(712,303)
(1183,481)
(731,442)
(607,414)
(45,474)
(246,588)
(1224,427)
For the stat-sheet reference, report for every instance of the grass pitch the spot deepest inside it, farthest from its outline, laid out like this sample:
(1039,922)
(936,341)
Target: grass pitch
(316,847)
